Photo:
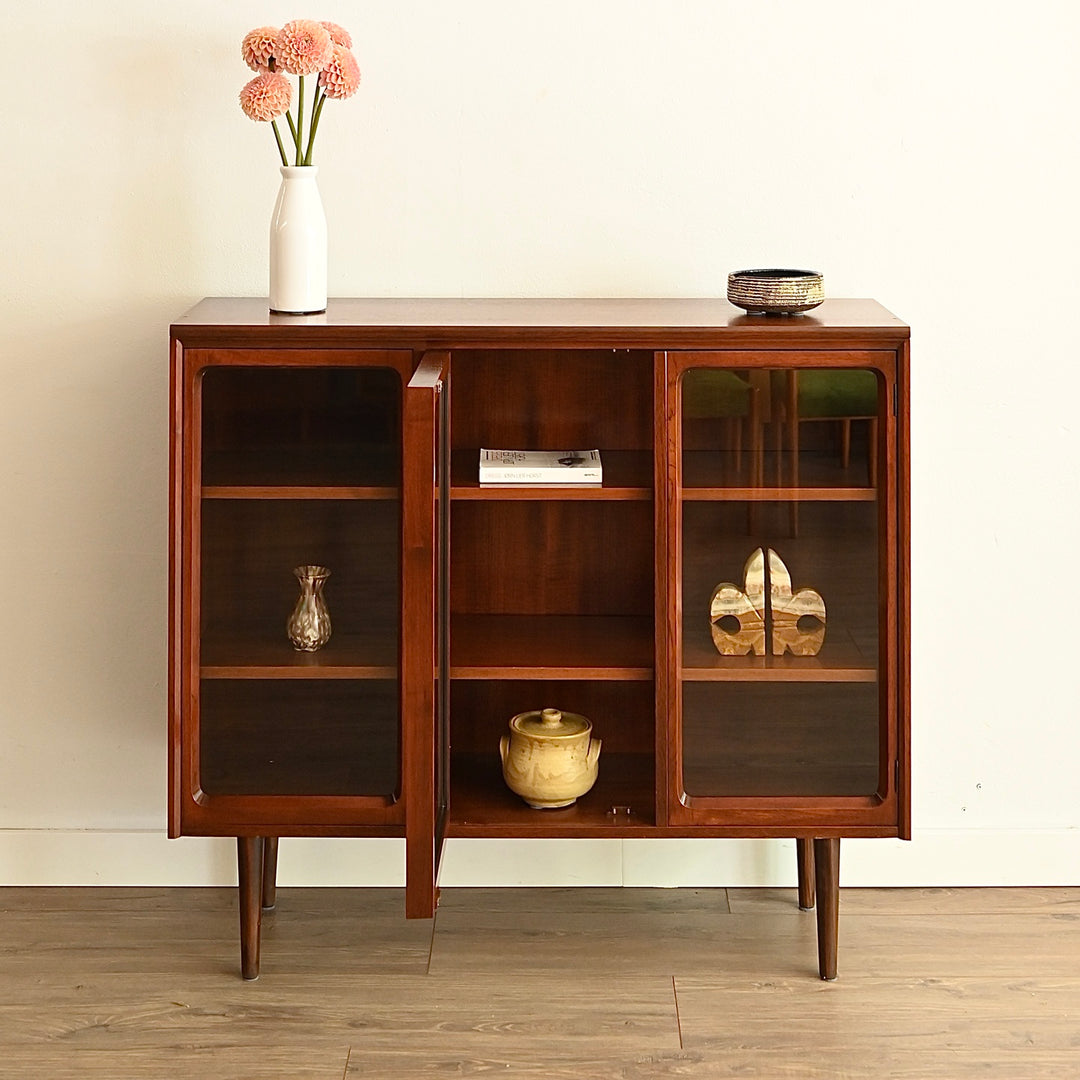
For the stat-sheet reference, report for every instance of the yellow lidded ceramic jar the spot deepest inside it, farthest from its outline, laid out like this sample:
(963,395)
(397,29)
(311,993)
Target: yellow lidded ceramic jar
(550,757)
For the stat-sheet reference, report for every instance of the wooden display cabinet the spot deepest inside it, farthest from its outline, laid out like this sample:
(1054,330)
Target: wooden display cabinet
(352,440)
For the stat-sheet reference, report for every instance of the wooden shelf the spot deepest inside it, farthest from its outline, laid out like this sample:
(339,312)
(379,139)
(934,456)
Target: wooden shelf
(628,474)
(778,494)
(808,780)
(781,741)
(273,738)
(337,473)
(269,491)
(551,647)
(840,660)
(371,655)
(716,475)
(482,805)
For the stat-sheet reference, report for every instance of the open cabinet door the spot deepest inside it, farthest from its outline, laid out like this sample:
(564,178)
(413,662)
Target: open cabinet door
(424,633)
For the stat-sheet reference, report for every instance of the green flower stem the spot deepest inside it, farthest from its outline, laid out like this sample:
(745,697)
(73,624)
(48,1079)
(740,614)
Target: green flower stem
(292,130)
(300,123)
(280,146)
(316,112)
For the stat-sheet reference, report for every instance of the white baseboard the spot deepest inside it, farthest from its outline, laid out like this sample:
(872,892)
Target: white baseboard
(936,857)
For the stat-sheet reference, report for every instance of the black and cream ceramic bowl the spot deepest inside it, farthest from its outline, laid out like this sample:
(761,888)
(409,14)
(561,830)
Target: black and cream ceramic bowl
(775,292)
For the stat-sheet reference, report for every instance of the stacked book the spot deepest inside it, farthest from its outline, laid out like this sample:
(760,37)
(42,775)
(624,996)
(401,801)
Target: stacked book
(543,467)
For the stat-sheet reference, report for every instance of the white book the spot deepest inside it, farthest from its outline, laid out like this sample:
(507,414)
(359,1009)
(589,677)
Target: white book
(540,467)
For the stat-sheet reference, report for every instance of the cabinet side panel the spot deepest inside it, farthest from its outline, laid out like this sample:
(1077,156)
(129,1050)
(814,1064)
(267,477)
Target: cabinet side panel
(418,644)
(664,510)
(176,581)
(903,554)
(671,778)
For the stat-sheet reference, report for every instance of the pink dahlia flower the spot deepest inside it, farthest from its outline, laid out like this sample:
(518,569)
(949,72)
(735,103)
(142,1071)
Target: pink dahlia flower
(257,48)
(303,47)
(338,34)
(340,77)
(266,97)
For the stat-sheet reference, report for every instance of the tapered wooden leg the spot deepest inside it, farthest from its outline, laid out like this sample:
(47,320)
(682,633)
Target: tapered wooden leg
(805,852)
(269,873)
(249,862)
(827,873)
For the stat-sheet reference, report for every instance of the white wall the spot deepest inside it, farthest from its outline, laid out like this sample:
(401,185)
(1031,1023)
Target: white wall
(923,154)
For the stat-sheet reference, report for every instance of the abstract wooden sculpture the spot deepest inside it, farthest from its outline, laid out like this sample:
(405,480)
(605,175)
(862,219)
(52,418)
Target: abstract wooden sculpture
(789,608)
(747,606)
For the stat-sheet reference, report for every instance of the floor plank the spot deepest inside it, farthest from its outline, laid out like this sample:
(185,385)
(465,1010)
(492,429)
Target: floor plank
(703,1065)
(557,983)
(119,1022)
(593,900)
(1059,900)
(321,930)
(482,938)
(252,1062)
(554,1064)
(865,1015)
(949,946)
(483,941)
(139,1012)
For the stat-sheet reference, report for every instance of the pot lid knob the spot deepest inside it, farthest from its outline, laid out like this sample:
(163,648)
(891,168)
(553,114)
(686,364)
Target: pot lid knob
(550,718)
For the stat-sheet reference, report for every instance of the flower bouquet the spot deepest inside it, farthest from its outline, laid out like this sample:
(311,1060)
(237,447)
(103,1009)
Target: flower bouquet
(302,47)
(298,233)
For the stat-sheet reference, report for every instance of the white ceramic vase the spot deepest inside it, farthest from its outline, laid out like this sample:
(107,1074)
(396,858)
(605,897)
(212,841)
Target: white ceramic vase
(298,244)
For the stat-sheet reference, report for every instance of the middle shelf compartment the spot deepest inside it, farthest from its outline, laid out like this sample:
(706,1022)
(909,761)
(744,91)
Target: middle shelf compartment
(248,551)
(613,647)
(622,715)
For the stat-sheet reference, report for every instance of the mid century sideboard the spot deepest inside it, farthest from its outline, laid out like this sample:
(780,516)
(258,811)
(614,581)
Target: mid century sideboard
(351,439)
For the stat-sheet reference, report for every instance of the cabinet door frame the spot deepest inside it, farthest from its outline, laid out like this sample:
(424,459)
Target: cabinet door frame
(191,810)
(425,506)
(881,813)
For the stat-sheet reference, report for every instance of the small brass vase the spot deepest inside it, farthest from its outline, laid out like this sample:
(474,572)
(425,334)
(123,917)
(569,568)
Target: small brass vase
(308,626)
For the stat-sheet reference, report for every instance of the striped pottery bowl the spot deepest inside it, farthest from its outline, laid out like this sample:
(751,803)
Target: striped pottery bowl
(775,292)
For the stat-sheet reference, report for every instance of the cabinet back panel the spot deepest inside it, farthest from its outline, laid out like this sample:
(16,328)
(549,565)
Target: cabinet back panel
(621,712)
(288,425)
(554,399)
(552,558)
(780,739)
(249,548)
(275,738)
(260,406)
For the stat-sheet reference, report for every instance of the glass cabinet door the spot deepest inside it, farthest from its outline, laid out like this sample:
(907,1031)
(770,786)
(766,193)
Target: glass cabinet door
(296,462)
(780,542)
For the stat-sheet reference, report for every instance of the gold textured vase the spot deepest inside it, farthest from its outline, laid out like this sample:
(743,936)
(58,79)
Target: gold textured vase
(309,624)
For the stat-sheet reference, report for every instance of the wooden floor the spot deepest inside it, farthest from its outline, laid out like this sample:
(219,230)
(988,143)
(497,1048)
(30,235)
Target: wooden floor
(582,984)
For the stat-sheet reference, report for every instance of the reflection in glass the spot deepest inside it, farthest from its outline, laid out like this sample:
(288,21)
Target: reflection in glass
(780,738)
(301,467)
(785,463)
(810,427)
